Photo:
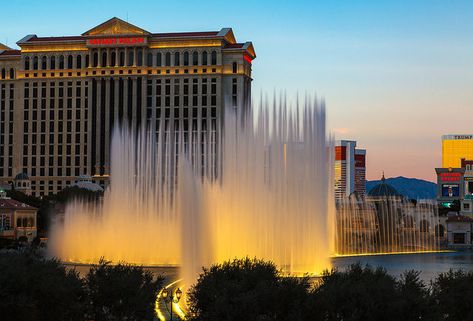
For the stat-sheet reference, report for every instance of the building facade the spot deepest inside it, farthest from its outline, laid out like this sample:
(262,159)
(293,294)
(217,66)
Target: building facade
(60,97)
(16,219)
(350,170)
(454,148)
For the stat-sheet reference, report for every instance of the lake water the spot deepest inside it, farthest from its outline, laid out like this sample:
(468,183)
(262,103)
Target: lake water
(429,264)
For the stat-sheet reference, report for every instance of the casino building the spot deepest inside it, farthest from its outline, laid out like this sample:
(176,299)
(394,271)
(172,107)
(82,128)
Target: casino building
(60,97)
(349,170)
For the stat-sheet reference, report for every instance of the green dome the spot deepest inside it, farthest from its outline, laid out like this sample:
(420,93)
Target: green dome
(21,176)
(383,189)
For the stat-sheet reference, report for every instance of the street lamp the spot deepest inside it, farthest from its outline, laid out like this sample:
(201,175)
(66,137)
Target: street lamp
(169,297)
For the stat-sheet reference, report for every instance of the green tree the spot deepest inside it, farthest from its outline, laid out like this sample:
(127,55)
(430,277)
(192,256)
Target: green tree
(413,298)
(366,294)
(36,289)
(246,289)
(121,292)
(452,293)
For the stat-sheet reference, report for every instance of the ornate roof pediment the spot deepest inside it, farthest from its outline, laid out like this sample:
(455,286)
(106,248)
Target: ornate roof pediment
(115,26)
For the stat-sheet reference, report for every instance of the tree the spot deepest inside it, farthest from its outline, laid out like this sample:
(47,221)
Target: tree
(121,292)
(414,301)
(35,289)
(452,293)
(246,289)
(363,293)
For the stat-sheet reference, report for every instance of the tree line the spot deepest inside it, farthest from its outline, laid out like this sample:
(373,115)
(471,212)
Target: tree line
(35,289)
(255,290)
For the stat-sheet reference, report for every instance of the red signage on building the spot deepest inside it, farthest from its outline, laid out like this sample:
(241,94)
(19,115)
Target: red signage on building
(450,177)
(120,41)
(360,160)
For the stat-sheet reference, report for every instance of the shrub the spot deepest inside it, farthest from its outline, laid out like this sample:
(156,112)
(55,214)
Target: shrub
(121,292)
(246,289)
(35,289)
(452,293)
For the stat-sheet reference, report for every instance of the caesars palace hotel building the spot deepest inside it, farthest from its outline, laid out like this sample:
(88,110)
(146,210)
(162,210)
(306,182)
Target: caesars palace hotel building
(61,96)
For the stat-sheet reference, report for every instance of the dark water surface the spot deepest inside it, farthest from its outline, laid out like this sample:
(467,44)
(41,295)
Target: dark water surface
(429,264)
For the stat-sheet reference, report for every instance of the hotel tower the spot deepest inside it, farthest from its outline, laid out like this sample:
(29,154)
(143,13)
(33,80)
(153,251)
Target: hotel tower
(350,170)
(60,97)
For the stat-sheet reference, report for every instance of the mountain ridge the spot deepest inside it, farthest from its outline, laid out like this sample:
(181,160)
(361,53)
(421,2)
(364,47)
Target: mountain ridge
(413,188)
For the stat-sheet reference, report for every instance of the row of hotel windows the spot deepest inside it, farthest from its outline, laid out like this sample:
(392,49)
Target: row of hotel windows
(61,92)
(121,60)
(3,74)
(6,126)
(5,223)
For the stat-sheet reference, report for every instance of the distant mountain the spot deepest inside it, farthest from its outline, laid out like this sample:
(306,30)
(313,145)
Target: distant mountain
(409,187)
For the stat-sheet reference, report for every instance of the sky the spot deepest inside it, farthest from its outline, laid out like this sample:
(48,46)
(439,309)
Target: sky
(395,75)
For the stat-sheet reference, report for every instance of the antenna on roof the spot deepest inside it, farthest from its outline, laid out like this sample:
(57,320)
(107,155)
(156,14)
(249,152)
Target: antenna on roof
(127,16)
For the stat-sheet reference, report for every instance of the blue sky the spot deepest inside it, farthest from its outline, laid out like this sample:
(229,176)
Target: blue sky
(396,75)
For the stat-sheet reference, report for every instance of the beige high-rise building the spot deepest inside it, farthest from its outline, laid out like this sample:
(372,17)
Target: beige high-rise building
(60,97)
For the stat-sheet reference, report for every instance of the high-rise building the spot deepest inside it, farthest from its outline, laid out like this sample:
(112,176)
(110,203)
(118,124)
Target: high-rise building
(454,148)
(350,169)
(60,97)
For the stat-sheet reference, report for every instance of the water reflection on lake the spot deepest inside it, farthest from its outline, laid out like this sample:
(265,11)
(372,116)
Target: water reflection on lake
(430,264)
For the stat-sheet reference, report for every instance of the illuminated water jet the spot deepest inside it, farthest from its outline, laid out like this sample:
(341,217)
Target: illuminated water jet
(258,188)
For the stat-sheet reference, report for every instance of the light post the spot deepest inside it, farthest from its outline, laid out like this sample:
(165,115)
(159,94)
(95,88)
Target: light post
(169,297)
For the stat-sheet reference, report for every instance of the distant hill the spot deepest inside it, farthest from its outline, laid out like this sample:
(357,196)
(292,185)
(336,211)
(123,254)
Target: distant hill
(409,187)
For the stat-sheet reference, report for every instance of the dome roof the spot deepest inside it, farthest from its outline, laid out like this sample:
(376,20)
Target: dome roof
(383,189)
(89,186)
(20,176)
(84,178)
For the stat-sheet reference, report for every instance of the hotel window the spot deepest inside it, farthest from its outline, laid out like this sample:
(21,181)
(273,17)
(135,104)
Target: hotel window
(35,63)
(186,58)
(234,67)
(104,59)
(113,59)
(78,61)
(149,61)
(159,62)
(131,57)
(61,62)
(195,58)
(234,92)
(87,60)
(12,73)
(69,62)
(140,57)
(168,59)
(214,58)
(43,63)
(176,59)
(3,73)
(122,59)
(204,58)
(27,63)
(95,59)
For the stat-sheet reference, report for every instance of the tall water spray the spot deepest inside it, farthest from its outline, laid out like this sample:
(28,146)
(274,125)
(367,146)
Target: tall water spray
(386,225)
(259,187)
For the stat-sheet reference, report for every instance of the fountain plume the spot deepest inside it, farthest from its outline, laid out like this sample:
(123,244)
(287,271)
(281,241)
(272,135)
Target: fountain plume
(257,188)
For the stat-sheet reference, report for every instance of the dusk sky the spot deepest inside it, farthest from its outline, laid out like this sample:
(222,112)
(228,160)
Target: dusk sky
(396,75)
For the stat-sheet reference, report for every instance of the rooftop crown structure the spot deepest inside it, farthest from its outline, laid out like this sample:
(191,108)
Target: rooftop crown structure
(60,97)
